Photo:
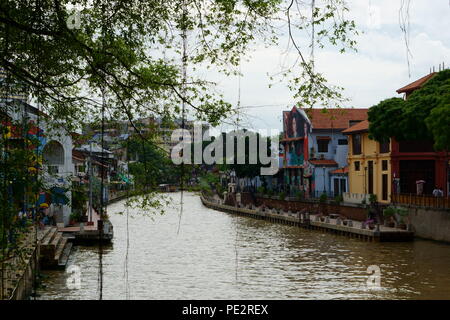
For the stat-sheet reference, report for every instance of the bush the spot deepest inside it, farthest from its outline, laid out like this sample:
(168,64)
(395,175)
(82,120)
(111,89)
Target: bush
(300,195)
(372,198)
(282,196)
(389,212)
(261,190)
(75,216)
(323,198)
(338,199)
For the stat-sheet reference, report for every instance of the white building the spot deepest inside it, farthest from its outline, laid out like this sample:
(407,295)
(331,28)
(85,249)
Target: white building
(56,147)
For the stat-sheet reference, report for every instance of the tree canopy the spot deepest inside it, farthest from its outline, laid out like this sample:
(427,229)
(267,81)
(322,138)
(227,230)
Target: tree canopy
(70,53)
(425,115)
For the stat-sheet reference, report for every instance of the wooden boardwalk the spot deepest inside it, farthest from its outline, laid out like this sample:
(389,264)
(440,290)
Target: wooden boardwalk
(91,233)
(310,221)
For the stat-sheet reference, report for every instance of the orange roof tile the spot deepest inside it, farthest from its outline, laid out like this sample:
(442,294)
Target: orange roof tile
(416,84)
(340,170)
(336,118)
(324,162)
(359,127)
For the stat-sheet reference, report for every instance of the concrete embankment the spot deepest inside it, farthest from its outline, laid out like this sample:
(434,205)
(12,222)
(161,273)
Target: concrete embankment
(430,223)
(350,228)
(18,273)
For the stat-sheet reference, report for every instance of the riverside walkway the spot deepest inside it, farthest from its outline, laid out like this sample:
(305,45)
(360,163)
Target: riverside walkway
(353,228)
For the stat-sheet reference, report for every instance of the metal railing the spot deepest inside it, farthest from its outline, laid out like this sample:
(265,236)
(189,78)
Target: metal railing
(421,200)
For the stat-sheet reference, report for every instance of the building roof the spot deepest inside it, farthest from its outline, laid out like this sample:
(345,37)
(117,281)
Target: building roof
(343,170)
(324,162)
(416,84)
(363,126)
(336,118)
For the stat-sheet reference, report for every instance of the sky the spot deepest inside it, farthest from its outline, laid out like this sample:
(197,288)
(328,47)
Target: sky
(371,74)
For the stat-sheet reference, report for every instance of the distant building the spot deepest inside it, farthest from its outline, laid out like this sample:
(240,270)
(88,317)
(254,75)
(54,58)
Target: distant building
(155,129)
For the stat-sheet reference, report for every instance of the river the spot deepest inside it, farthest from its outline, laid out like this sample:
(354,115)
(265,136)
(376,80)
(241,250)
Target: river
(216,255)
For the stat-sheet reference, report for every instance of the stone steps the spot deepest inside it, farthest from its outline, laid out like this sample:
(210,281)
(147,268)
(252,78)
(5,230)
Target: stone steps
(49,236)
(54,249)
(64,257)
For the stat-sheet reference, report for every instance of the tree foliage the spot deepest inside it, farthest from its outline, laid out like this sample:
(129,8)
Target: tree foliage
(425,115)
(128,52)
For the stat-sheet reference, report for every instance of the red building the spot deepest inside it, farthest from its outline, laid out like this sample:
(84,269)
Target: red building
(413,161)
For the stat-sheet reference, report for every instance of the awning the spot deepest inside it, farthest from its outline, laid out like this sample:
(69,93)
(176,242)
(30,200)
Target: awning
(124,178)
(323,138)
(59,195)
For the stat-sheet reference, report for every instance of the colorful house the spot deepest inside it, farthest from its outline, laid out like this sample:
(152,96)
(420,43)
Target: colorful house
(314,150)
(328,148)
(55,152)
(369,167)
(295,151)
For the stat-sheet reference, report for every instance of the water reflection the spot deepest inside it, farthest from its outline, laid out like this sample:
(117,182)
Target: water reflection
(221,256)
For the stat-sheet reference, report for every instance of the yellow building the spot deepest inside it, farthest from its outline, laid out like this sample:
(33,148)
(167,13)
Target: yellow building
(369,165)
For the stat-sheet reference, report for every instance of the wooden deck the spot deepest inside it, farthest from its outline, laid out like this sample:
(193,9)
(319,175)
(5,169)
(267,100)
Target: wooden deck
(89,233)
(310,221)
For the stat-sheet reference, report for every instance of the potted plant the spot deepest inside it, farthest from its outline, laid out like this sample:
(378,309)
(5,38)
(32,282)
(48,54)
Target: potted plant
(74,218)
(282,196)
(300,195)
(323,198)
(338,199)
(372,199)
(370,223)
(389,214)
(403,216)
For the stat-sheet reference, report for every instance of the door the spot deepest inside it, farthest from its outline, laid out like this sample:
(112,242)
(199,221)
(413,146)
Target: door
(336,186)
(384,186)
(343,186)
(370,178)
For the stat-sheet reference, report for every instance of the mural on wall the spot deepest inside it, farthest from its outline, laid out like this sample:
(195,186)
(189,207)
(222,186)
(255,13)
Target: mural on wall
(294,124)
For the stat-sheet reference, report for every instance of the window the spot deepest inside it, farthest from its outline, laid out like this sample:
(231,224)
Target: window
(384,147)
(52,169)
(322,145)
(384,165)
(356,143)
(80,169)
(342,142)
(357,166)
(53,153)
(353,122)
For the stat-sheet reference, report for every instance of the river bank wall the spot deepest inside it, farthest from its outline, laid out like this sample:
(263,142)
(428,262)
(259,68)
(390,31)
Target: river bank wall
(430,223)
(350,211)
(426,222)
(18,274)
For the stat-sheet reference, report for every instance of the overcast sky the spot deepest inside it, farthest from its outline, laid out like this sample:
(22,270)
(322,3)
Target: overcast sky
(368,76)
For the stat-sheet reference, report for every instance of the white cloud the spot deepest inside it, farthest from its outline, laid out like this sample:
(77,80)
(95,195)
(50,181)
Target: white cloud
(368,76)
